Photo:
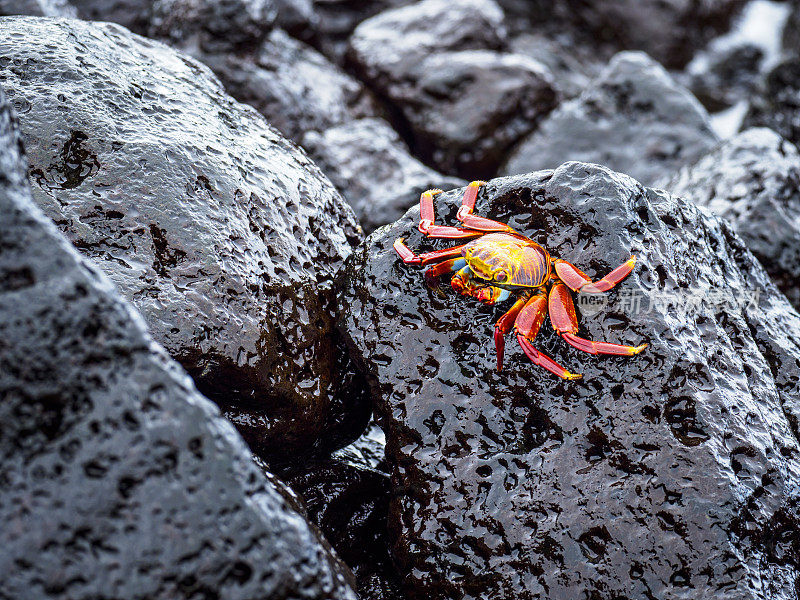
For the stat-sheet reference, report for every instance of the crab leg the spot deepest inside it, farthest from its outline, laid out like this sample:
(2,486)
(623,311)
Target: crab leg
(504,325)
(578,281)
(527,325)
(565,322)
(428,257)
(473,221)
(427,218)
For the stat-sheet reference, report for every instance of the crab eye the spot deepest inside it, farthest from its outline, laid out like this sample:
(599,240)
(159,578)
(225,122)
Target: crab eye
(500,276)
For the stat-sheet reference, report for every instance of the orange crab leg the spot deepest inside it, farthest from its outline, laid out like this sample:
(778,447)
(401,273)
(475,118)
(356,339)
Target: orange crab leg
(473,221)
(527,325)
(565,322)
(504,325)
(578,281)
(428,257)
(427,218)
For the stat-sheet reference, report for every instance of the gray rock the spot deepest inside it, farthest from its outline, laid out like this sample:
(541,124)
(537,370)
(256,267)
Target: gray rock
(296,88)
(37,8)
(212,25)
(220,231)
(668,30)
(119,479)
(791,30)
(672,474)
(372,168)
(132,14)
(464,102)
(633,118)
(777,103)
(753,181)
(725,73)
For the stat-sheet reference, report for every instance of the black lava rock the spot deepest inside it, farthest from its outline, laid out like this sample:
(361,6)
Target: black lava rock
(119,480)
(753,181)
(777,105)
(791,30)
(668,30)
(372,168)
(213,25)
(633,117)
(671,474)
(725,73)
(464,103)
(296,88)
(37,8)
(348,499)
(333,21)
(220,231)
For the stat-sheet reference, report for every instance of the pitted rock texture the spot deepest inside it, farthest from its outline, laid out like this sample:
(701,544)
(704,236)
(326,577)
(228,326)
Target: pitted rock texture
(37,8)
(119,479)
(753,181)
(671,474)
(213,25)
(220,231)
(668,30)
(463,102)
(372,168)
(777,105)
(296,89)
(634,117)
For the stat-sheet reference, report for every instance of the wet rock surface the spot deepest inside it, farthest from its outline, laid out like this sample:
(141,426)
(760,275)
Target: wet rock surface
(431,61)
(296,89)
(668,30)
(634,117)
(373,169)
(347,497)
(119,479)
(753,181)
(221,232)
(132,14)
(671,474)
(777,105)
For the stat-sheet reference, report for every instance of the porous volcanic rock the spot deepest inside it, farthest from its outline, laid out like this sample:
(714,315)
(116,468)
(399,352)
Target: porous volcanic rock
(753,181)
(220,231)
(777,105)
(668,30)
(37,8)
(372,168)
(671,474)
(634,117)
(463,102)
(119,479)
(296,88)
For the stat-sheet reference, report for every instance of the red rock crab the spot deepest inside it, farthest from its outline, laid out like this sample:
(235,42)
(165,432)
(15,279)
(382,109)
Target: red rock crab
(502,261)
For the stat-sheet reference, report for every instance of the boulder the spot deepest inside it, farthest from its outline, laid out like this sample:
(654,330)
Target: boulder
(296,88)
(212,25)
(432,61)
(37,8)
(634,117)
(753,181)
(671,474)
(132,14)
(668,30)
(777,104)
(119,479)
(372,168)
(220,231)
